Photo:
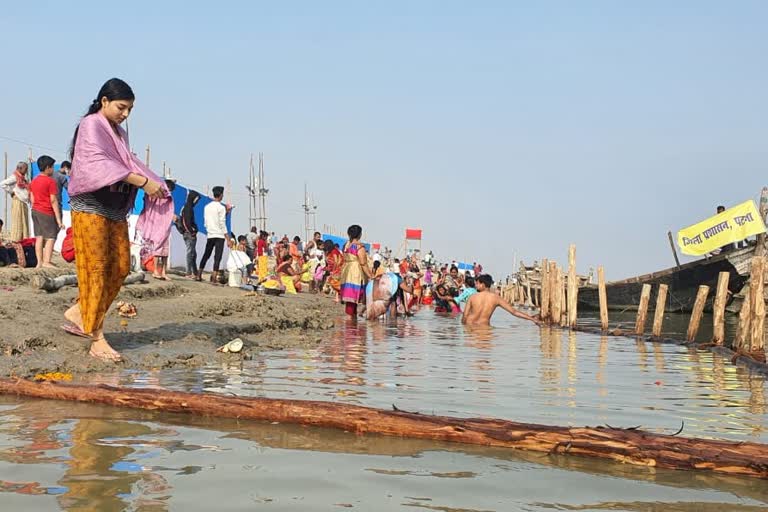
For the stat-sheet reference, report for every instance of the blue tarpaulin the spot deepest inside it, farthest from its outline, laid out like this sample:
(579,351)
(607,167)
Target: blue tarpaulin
(341,241)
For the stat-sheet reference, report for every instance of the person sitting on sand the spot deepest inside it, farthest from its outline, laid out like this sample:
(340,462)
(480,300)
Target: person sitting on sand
(481,305)
(287,275)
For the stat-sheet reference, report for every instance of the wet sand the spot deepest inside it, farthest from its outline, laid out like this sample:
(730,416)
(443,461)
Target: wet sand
(179,324)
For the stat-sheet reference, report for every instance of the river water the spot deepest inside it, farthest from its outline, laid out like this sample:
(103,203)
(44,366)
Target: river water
(77,457)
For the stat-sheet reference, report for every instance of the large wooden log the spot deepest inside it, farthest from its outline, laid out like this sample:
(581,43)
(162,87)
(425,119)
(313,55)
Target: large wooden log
(630,446)
(52,284)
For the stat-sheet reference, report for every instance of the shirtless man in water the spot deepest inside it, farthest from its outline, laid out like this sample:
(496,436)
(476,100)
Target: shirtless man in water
(481,305)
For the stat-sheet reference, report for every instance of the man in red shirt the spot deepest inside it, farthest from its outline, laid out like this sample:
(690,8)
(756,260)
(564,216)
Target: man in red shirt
(46,214)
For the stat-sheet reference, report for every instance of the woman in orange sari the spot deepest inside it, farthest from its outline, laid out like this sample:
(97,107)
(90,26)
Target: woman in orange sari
(334,261)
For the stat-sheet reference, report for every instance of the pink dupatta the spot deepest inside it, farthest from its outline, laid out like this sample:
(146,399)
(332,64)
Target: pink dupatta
(101,159)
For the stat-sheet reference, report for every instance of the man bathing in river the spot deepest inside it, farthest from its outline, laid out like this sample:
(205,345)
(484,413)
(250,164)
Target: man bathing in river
(482,304)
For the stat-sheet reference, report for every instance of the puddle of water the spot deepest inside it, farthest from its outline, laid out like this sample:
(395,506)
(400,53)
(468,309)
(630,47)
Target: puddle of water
(62,456)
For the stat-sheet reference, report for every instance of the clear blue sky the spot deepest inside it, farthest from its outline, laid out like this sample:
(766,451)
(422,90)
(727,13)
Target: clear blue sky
(494,126)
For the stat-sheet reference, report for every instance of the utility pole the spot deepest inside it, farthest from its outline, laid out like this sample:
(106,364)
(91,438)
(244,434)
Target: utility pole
(309,211)
(251,187)
(146,162)
(263,191)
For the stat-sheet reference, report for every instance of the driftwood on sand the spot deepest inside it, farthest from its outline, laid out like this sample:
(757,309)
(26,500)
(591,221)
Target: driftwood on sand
(630,446)
(52,284)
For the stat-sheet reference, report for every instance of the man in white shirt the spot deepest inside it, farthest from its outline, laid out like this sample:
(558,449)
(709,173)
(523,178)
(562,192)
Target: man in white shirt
(215,217)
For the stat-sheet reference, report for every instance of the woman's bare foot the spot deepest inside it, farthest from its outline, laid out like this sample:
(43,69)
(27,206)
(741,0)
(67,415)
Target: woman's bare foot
(101,349)
(74,316)
(49,265)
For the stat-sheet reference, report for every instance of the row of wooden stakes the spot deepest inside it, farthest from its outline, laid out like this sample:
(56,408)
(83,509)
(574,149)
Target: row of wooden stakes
(557,299)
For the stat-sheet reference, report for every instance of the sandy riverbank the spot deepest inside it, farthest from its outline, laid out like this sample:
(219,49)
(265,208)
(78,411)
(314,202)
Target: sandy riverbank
(179,324)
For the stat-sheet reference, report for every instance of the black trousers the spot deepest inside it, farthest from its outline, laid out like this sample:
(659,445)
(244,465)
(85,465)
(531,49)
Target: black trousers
(210,245)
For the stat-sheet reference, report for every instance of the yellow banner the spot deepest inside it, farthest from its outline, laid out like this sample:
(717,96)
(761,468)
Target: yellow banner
(733,225)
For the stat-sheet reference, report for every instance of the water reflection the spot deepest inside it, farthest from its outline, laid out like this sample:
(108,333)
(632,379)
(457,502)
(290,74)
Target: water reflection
(98,470)
(429,364)
(138,460)
(99,476)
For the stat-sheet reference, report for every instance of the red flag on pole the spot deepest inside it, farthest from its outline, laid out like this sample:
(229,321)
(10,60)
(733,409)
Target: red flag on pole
(413,234)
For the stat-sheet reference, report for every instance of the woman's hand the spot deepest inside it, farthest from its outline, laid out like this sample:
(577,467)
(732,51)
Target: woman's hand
(153,189)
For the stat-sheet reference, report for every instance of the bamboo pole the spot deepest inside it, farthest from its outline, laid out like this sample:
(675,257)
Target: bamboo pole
(603,298)
(672,245)
(642,309)
(718,312)
(698,310)
(628,446)
(545,289)
(557,294)
(756,285)
(743,332)
(658,314)
(573,286)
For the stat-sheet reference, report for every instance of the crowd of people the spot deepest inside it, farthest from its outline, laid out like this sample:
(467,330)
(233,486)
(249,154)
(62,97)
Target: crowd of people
(369,285)
(103,181)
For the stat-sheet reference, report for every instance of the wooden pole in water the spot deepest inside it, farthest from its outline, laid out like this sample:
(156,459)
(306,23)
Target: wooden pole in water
(563,298)
(672,245)
(573,286)
(527,292)
(698,310)
(718,312)
(603,298)
(642,309)
(557,294)
(552,290)
(743,333)
(757,278)
(661,304)
(545,289)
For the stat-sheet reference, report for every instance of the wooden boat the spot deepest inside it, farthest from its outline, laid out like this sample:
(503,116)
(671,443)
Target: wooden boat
(683,282)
